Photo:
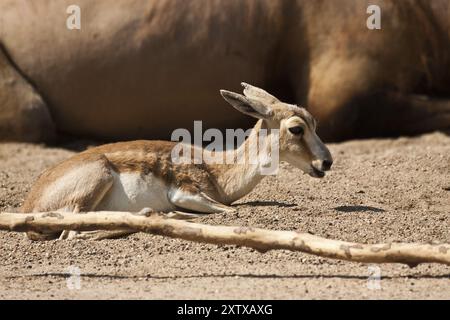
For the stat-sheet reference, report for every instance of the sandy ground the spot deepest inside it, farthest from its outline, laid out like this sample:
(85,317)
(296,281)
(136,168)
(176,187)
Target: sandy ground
(379,190)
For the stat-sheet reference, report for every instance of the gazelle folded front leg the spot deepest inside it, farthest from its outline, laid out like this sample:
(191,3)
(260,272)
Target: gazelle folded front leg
(196,201)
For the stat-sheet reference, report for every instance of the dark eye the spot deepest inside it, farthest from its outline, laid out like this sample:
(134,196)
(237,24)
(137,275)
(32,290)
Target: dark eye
(296,130)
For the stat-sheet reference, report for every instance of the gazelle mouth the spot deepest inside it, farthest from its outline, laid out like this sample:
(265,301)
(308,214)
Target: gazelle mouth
(316,173)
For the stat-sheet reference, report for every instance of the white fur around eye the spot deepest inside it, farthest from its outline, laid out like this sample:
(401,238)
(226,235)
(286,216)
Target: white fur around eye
(294,122)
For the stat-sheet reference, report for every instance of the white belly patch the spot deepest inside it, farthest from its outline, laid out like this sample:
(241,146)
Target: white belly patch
(133,191)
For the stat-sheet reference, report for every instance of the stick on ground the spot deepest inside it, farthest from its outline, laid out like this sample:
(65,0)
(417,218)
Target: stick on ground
(262,240)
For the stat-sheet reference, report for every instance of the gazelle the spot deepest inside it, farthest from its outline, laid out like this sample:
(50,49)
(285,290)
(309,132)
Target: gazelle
(140,176)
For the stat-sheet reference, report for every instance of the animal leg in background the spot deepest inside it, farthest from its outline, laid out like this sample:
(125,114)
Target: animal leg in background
(24,116)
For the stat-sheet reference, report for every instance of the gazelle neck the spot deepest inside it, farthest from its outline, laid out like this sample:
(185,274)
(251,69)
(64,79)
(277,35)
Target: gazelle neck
(250,160)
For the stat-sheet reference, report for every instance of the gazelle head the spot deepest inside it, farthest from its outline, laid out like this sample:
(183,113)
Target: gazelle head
(299,144)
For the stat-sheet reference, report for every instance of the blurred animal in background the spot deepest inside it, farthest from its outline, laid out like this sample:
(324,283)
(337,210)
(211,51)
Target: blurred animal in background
(140,69)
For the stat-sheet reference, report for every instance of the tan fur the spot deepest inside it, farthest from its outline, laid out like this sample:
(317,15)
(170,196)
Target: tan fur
(118,175)
(161,63)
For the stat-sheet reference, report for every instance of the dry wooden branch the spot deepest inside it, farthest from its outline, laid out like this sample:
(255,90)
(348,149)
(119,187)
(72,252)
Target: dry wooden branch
(262,240)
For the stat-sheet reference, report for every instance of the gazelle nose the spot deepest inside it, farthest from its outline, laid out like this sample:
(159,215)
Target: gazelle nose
(326,165)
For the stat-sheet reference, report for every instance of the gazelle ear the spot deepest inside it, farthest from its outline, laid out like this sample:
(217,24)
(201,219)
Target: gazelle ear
(258,94)
(249,106)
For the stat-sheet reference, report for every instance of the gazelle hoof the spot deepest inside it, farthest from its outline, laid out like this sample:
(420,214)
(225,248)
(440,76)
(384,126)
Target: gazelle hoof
(146,212)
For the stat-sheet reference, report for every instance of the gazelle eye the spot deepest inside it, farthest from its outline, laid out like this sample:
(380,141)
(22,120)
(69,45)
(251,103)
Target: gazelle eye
(298,130)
